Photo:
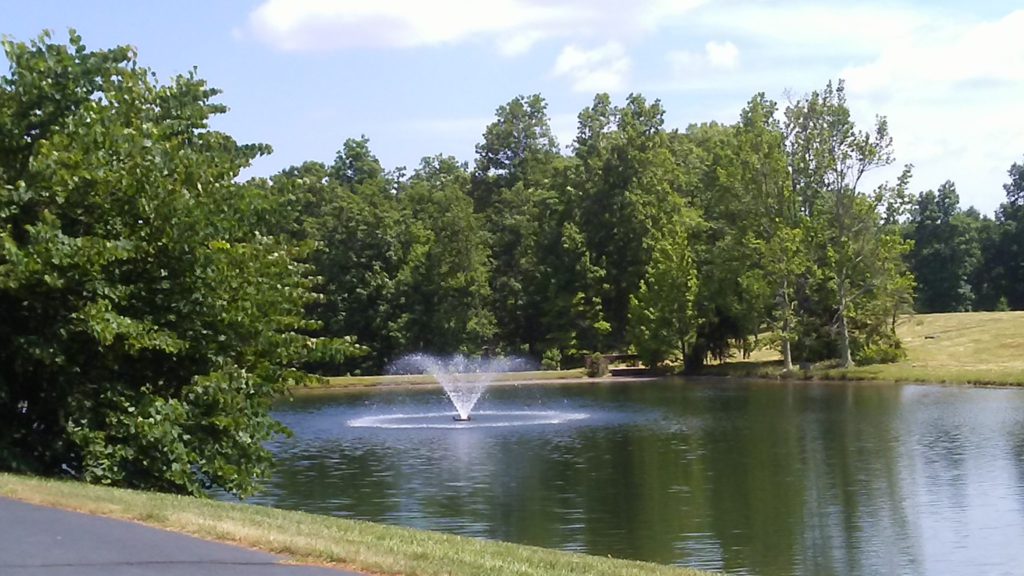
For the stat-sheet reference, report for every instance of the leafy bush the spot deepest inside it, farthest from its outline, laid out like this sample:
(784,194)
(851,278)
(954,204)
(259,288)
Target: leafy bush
(552,359)
(596,365)
(884,348)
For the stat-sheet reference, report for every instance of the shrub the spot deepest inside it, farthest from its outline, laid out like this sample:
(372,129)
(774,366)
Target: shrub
(552,359)
(596,365)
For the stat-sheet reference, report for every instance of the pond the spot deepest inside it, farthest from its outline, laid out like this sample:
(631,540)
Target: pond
(747,478)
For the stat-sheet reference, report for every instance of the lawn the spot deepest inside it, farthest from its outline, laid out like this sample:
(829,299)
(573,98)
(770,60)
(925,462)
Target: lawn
(308,538)
(961,348)
(336,382)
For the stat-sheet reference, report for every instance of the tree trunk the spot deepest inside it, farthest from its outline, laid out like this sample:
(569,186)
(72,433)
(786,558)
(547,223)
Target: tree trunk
(694,361)
(845,360)
(787,354)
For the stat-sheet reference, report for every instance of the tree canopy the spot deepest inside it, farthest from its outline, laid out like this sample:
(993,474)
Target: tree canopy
(148,314)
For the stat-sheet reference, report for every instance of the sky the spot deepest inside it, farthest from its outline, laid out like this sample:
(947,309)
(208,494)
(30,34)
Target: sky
(421,77)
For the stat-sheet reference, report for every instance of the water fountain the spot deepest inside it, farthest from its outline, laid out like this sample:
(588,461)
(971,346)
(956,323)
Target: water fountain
(464,380)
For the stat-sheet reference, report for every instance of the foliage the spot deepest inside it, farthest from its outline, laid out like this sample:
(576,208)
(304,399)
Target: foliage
(946,251)
(552,359)
(1010,250)
(849,231)
(661,314)
(596,365)
(447,291)
(148,313)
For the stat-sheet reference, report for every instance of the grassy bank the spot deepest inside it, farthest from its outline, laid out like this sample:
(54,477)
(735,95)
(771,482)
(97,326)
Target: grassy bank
(962,348)
(308,538)
(337,382)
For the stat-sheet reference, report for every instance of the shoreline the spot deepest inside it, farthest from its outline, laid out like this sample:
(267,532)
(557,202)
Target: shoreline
(365,547)
(375,382)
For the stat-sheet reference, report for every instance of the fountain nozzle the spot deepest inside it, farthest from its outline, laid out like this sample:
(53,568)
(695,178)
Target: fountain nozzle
(460,418)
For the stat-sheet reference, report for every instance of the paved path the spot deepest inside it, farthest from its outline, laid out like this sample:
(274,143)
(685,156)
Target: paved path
(40,541)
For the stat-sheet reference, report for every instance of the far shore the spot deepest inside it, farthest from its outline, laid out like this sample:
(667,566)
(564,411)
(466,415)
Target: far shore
(406,381)
(967,348)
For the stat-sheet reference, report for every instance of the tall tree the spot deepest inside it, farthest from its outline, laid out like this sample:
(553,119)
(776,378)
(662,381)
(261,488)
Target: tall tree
(512,186)
(1011,241)
(447,290)
(776,227)
(518,148)
(828,158)
(629,185)
(148,313)
(353,214)
(988,279)
(945,252)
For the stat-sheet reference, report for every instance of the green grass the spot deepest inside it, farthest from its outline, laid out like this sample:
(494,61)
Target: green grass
(308,538)
(336,382)
(985,348)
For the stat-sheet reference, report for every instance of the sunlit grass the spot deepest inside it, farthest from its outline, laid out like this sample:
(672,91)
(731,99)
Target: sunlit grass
(309,538)
(426,379)
(962,348)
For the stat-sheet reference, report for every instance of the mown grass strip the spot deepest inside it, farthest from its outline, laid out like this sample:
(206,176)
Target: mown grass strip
(360,546)
(336,382)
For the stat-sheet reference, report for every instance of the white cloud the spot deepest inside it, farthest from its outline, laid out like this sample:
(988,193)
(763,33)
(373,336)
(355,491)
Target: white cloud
(952,94)
(948,79)
(602,69)
(813,29)
(514,25)
(985,51)
(715,56)
(722,54)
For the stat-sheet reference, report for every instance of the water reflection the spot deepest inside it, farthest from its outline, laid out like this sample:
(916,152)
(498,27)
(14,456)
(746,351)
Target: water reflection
(746,478)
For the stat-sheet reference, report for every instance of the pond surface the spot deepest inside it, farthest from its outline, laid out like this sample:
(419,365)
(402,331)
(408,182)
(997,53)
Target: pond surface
(745,478)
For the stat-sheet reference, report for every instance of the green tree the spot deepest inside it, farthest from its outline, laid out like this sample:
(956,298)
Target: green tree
(363,252)
(775,227)
(148,316)
(988,280)
(945,253)
(1010,217)
(629,185)
(662,324)
(447,290)
(512,184)
(828,157)
(518,148)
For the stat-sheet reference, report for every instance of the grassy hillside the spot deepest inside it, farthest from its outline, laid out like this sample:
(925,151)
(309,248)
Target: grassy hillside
(970,347)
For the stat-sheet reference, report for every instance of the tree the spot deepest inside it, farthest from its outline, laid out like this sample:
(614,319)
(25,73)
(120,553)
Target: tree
(512,186)
(362,255)
(661,313)
(776,226)
(629,187)
(148,316)
(945,252)
(518,148)
(1011,238)
(447,289)
(828,157)
(988,278)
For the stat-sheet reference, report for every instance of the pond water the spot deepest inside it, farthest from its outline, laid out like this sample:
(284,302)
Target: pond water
(746,478)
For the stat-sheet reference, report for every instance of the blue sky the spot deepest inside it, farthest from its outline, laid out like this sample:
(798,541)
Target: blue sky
(420,77)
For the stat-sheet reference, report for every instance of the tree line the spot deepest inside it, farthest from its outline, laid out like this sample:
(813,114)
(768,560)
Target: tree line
(680,245)
(152,305)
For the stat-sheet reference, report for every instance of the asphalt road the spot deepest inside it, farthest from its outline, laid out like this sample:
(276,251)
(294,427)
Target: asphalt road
(40,541)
